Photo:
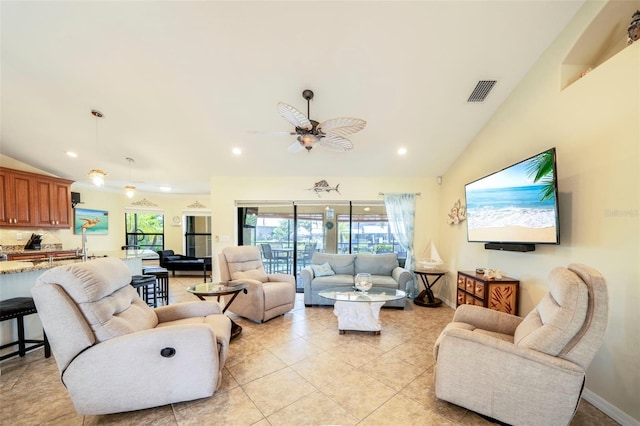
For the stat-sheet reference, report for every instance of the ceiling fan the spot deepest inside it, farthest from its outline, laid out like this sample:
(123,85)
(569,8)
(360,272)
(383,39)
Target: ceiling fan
(329,134)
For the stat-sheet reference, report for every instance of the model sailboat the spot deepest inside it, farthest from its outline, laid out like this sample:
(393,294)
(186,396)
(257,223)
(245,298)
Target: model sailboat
(430,258)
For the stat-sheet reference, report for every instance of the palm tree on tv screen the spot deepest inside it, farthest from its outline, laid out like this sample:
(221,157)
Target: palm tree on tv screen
(541,168)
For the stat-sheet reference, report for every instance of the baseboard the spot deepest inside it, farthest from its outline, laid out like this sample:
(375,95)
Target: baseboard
(448,302)
(610,410)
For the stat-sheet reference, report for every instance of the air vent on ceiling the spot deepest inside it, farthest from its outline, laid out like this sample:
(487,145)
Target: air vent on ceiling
(481,91)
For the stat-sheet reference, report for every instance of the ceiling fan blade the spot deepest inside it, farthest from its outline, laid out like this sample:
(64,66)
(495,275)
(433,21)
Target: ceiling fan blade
(294,116)
(342,126)
(295,147)
(336,143)
(270,132)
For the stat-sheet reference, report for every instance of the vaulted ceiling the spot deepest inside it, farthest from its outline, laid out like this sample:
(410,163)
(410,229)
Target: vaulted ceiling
(182,83)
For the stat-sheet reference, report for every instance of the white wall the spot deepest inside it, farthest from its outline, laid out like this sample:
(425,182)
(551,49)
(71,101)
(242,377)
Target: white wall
(595,126)
(225,191)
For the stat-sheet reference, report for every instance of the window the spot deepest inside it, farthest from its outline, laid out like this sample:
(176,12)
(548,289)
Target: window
(145,230)
(197,236)
(370,231)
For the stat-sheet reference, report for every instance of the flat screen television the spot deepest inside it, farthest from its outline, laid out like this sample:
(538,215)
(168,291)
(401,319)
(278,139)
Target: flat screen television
(516,207)
(250,217)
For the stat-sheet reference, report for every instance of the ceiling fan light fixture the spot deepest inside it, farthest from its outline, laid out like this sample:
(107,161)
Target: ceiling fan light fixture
(307,141)
(330,134)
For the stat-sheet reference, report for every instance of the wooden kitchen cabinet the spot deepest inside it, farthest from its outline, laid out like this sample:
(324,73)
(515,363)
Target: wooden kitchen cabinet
(30,200)
(53,203)
(500,294)
(17,199)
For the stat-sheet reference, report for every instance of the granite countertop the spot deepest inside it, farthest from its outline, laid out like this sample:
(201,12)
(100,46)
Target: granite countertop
(17,266)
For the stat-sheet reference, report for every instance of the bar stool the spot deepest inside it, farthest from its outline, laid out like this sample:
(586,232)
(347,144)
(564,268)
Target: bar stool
(142,283)
(162,281)
(18,308)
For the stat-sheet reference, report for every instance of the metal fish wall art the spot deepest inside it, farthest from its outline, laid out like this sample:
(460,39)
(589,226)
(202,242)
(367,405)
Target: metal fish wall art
(323,186)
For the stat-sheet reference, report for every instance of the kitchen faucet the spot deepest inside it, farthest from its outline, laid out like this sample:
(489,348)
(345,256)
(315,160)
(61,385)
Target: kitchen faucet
(84,244)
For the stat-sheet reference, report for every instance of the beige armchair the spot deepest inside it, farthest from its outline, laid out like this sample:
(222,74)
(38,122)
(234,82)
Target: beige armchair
(115,353)
(268,295)
(525,371)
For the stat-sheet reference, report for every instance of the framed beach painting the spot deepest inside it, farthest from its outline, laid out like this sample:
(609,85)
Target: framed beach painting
(94,221)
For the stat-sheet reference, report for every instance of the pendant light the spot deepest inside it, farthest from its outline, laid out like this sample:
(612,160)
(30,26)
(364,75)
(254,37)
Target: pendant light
(97,175)
(130,190)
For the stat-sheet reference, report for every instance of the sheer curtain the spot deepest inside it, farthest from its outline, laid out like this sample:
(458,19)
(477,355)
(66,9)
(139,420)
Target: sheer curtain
(401,210)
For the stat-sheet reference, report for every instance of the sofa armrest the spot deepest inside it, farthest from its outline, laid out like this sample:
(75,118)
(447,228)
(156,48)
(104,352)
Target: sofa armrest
(487,319)
(252,285)
(491,350)
(402,277)
(187,310)
(306,275)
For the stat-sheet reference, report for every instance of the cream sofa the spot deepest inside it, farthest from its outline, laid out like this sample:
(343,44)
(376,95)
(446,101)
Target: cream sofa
(384,269)
(115,353)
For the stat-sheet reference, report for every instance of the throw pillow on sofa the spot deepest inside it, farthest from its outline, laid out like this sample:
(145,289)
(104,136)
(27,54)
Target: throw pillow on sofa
(323,270)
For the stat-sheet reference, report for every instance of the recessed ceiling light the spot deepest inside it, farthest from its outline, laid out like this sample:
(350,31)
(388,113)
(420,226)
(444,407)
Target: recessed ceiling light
(71,154)
(165,188)
(366,209)
(236,151)
(402,151)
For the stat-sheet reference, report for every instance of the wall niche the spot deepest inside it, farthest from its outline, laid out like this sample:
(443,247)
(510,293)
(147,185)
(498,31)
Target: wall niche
(602,39)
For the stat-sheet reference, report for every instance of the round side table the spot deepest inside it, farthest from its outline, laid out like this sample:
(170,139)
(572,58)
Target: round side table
(426,298)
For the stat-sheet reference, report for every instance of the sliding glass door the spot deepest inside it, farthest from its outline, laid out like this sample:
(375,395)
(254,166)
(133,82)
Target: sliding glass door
(288,234)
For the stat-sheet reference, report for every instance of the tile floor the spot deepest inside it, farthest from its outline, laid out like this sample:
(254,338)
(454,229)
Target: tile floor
(293,370)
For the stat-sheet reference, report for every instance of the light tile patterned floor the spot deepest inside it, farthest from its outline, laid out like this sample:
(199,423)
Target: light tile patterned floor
(293,370)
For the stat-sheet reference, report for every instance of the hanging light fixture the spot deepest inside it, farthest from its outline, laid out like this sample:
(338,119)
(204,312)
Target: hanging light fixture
(96,175)
(130,190)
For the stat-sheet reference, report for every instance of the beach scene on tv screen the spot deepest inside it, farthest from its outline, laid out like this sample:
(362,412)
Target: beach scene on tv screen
(514,205)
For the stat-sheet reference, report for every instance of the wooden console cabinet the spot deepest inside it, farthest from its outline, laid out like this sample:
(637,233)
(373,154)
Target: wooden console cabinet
(500,294)
(29,200)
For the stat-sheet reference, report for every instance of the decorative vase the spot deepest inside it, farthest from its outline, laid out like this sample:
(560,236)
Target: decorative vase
(363,282)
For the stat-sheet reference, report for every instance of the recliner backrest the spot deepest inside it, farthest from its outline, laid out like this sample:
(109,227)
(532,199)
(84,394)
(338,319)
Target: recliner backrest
(102,292)
(242,262)
(583,347)
(559,316)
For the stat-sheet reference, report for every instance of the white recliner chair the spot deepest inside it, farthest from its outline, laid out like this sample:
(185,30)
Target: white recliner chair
(115,353)
(268,295)
(525,371)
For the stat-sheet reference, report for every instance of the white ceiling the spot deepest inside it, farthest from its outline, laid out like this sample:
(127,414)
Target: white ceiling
(180,83)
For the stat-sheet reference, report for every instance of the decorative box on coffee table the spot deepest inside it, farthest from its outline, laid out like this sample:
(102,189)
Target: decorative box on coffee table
(499,294)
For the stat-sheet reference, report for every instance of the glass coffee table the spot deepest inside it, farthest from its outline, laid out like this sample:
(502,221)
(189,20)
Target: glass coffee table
(220,289)
(360,311)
